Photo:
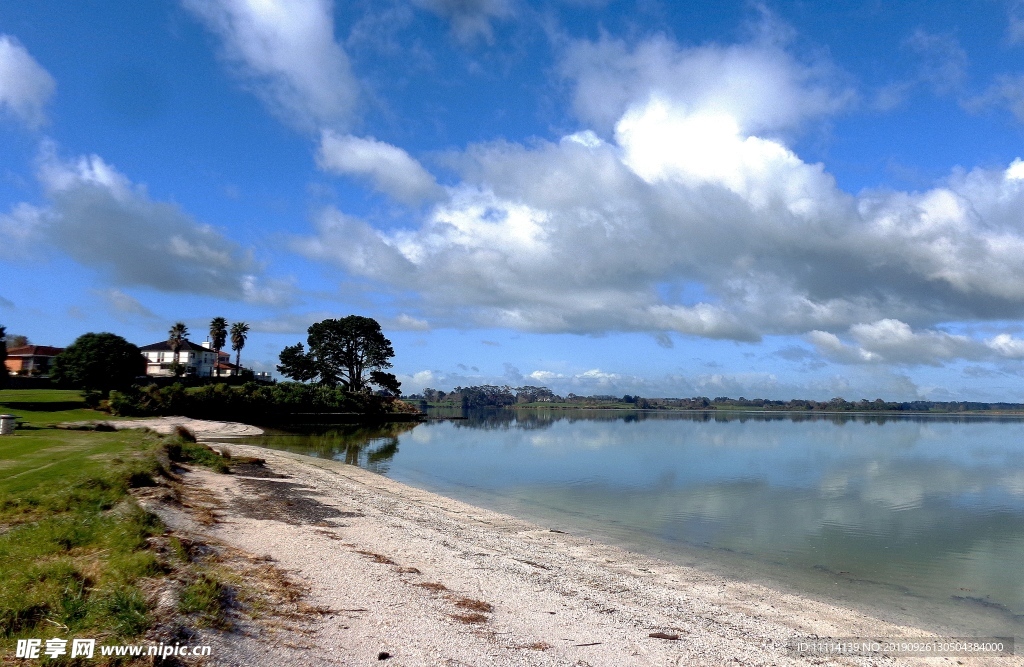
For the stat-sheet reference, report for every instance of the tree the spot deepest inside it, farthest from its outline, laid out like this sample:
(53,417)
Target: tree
(239,332)
(176,337)
(17,340)
(386,381)
(218,336)
(3,357)
(351,352)
(99,361)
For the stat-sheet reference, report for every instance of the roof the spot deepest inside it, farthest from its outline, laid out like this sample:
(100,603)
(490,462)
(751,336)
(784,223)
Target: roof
(34,351)
(163,346)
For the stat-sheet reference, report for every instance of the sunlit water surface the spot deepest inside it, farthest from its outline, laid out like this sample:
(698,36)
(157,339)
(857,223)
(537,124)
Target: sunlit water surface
(916,519)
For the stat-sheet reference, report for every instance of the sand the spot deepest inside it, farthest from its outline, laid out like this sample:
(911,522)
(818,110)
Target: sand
(428,580)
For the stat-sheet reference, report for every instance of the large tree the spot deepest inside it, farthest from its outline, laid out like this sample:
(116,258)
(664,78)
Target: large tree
(99,362)
(218,337)
(351,352)
(3,357)
(239,332)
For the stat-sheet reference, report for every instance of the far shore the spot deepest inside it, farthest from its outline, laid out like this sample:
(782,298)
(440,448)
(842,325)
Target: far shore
(433,581)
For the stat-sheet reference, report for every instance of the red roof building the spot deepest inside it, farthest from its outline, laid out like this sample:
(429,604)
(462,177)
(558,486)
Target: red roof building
(31,359)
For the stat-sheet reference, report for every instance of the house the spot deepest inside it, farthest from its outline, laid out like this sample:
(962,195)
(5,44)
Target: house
(224,366)
(196,359)
(31,359)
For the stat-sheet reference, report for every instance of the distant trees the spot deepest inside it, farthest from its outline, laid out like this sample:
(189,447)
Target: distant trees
(218,337)
(99,362)
(351,352)
(239,333)
(17,340)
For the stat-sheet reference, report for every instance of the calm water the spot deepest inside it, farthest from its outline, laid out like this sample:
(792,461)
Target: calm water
(914,518)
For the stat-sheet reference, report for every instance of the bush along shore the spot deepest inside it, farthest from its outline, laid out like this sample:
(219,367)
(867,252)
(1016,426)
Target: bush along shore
(285,403)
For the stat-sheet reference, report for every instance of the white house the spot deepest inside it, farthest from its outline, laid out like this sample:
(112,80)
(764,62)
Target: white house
(196,359)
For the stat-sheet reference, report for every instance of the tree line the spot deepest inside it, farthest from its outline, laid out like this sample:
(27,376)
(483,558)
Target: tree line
(504,396)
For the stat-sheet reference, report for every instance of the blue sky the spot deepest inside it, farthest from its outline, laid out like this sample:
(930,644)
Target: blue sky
(776,200)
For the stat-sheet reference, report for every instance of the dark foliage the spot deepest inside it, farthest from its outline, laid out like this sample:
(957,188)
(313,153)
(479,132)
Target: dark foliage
(99,362)
(350,353)
(251,403)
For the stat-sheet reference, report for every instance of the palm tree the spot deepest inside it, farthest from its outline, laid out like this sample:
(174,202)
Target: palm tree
(218,336)
(239,330)
(176,337)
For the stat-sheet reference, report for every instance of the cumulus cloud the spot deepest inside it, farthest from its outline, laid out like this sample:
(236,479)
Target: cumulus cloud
(893,342)
(25,86)
(583,234)
(286,51)
(390,169)
(470,19)
(760,84)
(101,219)
(1007,346)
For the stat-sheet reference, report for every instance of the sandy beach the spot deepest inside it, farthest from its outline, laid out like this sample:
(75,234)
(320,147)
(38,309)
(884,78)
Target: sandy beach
(414,578)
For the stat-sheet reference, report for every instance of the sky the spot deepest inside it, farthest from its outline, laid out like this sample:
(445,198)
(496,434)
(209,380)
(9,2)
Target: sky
(777,200)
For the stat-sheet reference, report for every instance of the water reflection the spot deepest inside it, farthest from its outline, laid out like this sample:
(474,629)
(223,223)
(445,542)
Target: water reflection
(370,447)
(540,418)
(930,508)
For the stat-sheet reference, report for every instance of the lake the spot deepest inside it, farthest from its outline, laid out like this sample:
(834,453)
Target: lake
(913,518)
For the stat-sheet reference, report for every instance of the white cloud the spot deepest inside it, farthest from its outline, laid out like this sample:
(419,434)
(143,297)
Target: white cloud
(390,169)
(830,346)
(1006,345)
(19,229)
(585,235)
(894,342)
(761,85)
(101,219)
(470,19)
(1015,22)
(354,245)
(287,52)
(1006,92)
(123,306)
(404,322)
(25,86)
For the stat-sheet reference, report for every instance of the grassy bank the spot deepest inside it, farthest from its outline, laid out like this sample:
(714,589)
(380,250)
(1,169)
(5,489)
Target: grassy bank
(38,408)
(78,556)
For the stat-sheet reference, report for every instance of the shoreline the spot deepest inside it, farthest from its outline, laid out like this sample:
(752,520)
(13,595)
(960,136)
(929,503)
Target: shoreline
(397,565)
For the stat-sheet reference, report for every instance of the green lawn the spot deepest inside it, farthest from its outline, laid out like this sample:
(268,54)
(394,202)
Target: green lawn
(73,544)
(44,407)
(77,553)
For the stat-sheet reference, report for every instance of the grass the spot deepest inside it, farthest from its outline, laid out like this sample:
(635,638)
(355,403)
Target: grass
(77,553)
(74,546)
(205,599)
(39,408)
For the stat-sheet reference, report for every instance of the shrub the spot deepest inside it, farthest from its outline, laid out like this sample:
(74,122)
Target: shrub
(250,402)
